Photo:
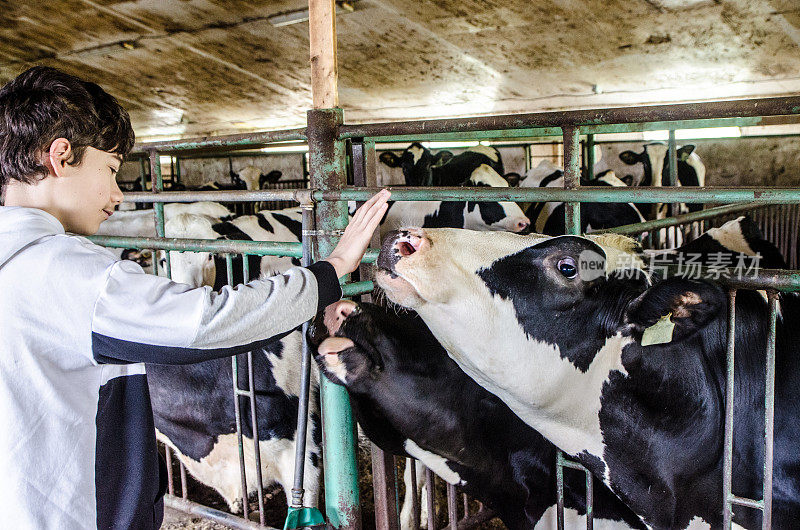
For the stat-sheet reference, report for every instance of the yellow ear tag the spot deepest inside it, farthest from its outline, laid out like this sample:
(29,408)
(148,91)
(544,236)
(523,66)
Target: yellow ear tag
(660,332)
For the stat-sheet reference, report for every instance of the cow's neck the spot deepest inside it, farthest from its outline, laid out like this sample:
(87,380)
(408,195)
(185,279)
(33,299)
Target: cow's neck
(546,391)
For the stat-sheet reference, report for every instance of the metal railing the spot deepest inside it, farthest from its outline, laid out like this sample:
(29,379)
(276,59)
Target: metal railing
(326,135)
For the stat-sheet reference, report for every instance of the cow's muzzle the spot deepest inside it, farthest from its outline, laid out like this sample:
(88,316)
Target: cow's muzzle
(399,244)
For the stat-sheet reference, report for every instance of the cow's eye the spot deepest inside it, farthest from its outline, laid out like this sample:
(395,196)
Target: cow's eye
(567,267)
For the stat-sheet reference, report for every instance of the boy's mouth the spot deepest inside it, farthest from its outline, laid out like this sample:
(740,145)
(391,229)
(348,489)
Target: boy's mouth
(108,213)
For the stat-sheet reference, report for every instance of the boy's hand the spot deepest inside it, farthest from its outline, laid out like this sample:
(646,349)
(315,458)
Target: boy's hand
(347,255)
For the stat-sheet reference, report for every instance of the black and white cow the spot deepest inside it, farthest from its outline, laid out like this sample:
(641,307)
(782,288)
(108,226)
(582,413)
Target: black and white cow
(194,415)
(423,168)
(141,223)
(472,215)
(554,327)
(548,217)
(411,399)
(655,170)
(204,268)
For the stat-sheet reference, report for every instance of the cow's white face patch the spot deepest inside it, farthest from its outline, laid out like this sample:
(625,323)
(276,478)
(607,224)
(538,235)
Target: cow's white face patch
(699,168)
(416,153)
(434,462)
(656,153)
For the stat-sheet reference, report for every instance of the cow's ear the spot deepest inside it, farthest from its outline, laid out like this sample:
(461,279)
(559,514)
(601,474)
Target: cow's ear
(513,179)
(684,151)
(629,157)
(690,305)
(390,159)
(442,157)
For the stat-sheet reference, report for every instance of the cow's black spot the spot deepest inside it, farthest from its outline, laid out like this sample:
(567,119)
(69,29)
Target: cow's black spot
(295,227)
(264,223)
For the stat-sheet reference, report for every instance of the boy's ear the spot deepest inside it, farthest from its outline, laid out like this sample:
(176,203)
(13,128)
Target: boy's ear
(58,156)
(692,305)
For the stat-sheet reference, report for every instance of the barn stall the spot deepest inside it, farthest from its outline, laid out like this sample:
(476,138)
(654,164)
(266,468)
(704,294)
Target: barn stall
(342,165)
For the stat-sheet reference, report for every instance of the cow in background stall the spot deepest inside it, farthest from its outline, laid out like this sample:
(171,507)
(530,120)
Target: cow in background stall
(556,326)
(548,217)
(423,168)
(142,223)
(200,425)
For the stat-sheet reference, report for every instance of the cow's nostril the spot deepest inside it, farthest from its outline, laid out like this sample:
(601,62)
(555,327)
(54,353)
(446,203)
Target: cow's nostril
(405,248)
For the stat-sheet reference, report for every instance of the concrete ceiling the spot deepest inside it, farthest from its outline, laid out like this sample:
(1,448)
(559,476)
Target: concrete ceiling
(190,67)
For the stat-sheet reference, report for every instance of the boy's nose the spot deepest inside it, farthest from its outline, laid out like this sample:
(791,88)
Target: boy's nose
(116,193)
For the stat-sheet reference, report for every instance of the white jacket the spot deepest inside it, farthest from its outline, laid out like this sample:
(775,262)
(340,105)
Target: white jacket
(77,443)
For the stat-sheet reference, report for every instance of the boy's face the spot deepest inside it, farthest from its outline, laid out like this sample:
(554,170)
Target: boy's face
(89,191)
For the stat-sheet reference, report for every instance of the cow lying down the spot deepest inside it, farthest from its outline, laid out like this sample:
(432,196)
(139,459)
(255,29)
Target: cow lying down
(563,346)
(411,399)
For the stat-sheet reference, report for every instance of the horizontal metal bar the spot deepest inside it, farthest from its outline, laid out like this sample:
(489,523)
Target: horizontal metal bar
(777,279)
(298,195)
(357,288)
(230,141)
(688,111)
(216,246)
(573,465)
(750,503)
(543,132)
(638,194)
(583,194)
(192,508)
(708,213)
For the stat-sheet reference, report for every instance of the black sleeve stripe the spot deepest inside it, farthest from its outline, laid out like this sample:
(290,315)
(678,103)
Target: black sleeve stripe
(327,283)
(110,350)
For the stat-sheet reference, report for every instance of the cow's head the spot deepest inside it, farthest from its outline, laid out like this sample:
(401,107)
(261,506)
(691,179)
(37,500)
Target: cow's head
(271,178)
(514,311)
(493,215)
(191,268)
(655,165)
(416,161)
(357,343)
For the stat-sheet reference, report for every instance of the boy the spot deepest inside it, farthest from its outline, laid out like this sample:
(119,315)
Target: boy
(77,443)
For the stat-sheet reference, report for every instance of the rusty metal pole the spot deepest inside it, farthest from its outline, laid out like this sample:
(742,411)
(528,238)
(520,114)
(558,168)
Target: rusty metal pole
(327,168)
(572,179)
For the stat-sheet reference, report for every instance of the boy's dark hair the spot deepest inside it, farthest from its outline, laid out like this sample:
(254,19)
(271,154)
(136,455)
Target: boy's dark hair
(43,104)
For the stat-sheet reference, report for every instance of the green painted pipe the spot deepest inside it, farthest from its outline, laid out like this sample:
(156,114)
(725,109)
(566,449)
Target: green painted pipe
(638,194)
(709,213)
(326,157)
(582,194)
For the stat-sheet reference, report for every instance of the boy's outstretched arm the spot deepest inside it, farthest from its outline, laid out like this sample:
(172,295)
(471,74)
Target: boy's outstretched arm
(144,318)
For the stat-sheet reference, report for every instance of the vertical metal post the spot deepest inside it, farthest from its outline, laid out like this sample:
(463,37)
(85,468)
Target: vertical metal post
(559,490)
(176,178)
(326,160)
(452,507)
(727,461)
(385,493)
(769,409)
(254,421)
(589,501)
(590,157)
(184,485)
(415,505)
(158,187)
(236,410)
(672,181)
(305,373)
(572,176)
(430,480)
(143,173)
(168,455)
